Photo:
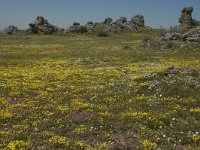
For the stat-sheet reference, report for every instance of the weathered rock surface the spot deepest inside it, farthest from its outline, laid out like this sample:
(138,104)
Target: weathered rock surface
(189,28)
(41,25)
(186,20)
(121,21)
(11,29)
(76,28)
(120,25)
(192,35)
(90,26)
(171,36)
(110,26)
(138,20)
(108,20)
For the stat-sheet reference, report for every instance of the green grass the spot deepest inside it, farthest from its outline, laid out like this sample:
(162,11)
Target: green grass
(90,92)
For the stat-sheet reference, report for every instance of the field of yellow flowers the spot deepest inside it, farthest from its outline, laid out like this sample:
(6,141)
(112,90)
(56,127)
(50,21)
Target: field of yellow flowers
(97,93)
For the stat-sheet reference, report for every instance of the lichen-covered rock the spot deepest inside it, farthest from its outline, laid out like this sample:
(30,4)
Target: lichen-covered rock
(138,20)
(121,21)
(108,20)
(40,21)
(171,36)
(11,29)
(193,39)
(130,26)
(185,19)
(76,28)
(90,26)
(114,28)
(41,25)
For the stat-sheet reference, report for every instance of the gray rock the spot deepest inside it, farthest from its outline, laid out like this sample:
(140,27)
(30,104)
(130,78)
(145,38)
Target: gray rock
(193,39)
(41,25)
(108,20)
(11,29)
(138,20)
(115,28)
(40,21)
(196,23)
(185,19)
(76,28)
(131,26)
(121,21)
(90,26)
(171,36)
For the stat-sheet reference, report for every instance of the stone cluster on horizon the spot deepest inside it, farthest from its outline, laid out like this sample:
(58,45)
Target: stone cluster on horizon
(137,23)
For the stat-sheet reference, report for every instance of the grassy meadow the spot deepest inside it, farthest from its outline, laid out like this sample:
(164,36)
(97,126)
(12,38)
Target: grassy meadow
(97,93)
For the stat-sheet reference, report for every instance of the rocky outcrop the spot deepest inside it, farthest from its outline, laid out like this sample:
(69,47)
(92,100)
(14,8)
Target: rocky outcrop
(121,21)
(108,25)
(108,20)
(192,35)
(186,20)
(41,25)
(90,26)
(120,25)
(76,28)
(171,36)
(138,20)
(11,29)
(189,28)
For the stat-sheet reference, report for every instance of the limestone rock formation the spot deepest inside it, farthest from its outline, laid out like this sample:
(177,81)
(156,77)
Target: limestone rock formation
(11,29)
(121,24)
(171,36)
(193,35)
(186,20)
(108,20)
(110,26)
(76,28)
(121,21)
(189,28)
(90,26)
(138,20)
(41,25)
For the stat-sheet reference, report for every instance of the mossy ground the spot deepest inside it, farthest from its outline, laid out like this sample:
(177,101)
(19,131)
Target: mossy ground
(89,92)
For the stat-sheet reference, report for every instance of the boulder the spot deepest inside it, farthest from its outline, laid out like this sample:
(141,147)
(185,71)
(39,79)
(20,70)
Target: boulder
(171,36)
(131,26)
(11,29)
(196,23)
(76,23)
(185,19)
(138,20)
(193,35)
(193,39)
(108,20)
(90,26)
(41,25)
(40,21)
(76,28)
(114,28)
(121,21)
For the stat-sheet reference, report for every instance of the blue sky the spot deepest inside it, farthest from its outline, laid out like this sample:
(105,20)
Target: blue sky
(64,12)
